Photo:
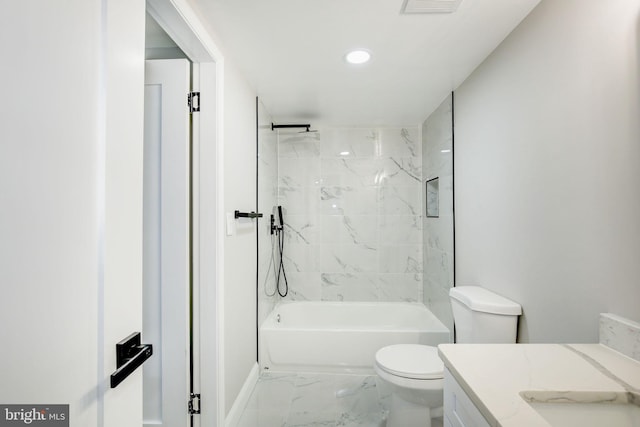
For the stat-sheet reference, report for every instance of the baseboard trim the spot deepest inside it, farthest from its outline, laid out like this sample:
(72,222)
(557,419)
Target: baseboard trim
(233,417)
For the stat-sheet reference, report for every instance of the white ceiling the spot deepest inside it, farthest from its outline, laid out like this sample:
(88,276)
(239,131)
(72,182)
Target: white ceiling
(291,52)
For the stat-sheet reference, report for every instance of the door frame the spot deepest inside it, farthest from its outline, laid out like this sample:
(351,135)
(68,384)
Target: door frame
(180,22)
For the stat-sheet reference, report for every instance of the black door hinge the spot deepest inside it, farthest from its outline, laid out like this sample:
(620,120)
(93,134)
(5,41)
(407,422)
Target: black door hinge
(194,403)
(193,101)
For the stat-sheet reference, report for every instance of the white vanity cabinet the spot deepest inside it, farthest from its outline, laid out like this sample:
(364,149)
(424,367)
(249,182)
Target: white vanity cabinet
(459,410)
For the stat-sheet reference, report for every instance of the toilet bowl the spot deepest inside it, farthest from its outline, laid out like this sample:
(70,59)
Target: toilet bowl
(415,373)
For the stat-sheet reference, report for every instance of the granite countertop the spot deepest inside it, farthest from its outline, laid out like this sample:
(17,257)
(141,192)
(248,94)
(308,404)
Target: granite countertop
(500,378)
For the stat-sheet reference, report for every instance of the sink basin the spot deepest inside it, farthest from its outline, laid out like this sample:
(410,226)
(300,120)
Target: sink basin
(567,413)
(589,414)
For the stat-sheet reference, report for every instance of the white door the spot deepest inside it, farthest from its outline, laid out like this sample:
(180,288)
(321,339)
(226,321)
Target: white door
(166,274)
(70,206)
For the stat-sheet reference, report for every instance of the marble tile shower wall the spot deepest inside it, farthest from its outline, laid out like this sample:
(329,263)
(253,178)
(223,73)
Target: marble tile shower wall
(353,205)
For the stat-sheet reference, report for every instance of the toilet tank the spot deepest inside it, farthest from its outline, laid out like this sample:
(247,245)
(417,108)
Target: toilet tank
(481,316)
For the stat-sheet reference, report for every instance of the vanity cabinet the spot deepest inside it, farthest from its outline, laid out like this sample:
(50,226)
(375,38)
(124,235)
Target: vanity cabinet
(459,410)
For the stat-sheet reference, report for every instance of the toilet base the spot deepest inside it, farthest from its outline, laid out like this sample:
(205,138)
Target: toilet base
(403,413)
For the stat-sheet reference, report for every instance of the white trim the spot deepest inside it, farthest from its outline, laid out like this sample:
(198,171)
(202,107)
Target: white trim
(233,418)
(207,246)
(181,23)
(196,237)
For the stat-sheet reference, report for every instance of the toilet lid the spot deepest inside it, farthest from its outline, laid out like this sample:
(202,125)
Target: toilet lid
(411,361)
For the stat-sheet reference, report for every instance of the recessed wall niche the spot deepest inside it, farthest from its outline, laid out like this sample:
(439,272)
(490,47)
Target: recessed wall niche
(432,192)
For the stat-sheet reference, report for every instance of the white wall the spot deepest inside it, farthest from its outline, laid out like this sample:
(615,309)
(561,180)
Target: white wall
(240,332)
(547,162)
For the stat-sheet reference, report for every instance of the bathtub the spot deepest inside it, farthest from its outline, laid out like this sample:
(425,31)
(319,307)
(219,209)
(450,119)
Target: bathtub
(307,336)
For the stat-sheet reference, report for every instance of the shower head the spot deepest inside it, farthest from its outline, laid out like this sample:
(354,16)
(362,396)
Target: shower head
(306,126)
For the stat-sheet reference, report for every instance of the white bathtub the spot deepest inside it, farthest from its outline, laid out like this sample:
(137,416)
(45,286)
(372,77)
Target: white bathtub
(342,336)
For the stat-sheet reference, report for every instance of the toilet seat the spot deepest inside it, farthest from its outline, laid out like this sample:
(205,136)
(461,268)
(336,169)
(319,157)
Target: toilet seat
(412,361)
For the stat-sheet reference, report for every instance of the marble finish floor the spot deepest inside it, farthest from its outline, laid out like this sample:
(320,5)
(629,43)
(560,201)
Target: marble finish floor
(312,400)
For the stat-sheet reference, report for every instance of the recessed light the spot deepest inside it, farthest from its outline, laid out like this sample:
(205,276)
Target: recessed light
(344,153)
(358,56)
(445,150)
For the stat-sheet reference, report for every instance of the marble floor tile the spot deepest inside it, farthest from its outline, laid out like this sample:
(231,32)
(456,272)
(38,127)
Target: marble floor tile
(310,400)
(318,400)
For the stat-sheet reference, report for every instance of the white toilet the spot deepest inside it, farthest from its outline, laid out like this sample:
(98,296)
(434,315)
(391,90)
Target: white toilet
(415,372)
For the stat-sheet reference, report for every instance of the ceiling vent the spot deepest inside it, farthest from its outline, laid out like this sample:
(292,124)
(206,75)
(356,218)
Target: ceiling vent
(430,6)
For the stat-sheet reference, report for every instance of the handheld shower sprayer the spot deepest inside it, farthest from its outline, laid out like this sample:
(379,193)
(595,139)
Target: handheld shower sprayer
(280,217)
(281,248)
(277,228)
